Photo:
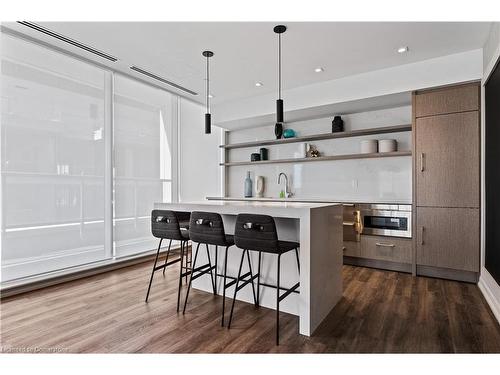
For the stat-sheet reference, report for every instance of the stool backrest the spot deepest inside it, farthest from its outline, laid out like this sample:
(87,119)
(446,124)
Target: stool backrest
(207,227)
(165,224)
(256,232)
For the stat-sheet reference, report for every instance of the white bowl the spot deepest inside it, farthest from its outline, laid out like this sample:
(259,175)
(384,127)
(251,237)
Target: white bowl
(369,146)
(387,145)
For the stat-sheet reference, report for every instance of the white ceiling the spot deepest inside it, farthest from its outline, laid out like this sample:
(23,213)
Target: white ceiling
(247,52)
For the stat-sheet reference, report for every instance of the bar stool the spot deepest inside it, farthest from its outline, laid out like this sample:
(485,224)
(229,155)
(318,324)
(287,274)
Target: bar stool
(208,228)
(173,226)
(258,233)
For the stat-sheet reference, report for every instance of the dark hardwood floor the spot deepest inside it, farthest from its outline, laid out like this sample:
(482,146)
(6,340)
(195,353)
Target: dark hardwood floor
(380,312)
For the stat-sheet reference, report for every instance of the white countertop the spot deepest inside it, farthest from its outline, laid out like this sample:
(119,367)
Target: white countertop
(304,200)
(276,209)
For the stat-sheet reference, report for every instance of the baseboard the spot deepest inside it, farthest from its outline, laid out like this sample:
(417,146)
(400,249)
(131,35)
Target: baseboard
(448,273)
(491,292)
(375,263)
(75,273)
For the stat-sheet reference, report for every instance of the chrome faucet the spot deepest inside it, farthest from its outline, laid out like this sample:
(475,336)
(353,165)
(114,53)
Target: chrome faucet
(288,193)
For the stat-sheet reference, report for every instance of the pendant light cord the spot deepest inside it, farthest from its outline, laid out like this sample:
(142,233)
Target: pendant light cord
(208,88)
(279,66)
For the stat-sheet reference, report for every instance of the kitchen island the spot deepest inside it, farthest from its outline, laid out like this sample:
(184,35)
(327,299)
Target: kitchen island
(318,229)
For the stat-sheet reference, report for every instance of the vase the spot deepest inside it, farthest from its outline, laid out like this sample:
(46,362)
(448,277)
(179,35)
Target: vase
(259,186)
(337,124)
(248,186)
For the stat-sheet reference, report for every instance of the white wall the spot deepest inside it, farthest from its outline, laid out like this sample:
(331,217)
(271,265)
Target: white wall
(362,180)
(487,283)
(199,171)
(445,70)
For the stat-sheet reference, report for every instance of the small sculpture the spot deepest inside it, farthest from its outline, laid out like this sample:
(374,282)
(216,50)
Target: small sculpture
(313,152)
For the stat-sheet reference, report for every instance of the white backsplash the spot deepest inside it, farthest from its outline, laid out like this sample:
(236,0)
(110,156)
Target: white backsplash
(367,180)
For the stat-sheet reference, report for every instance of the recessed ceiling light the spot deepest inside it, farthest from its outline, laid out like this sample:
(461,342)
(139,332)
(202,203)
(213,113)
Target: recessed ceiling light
(210,96)
(259,84)
(319,70)
(403,49)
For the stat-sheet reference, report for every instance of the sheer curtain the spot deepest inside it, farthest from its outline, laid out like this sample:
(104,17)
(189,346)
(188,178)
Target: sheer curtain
(142,161)
(52,160)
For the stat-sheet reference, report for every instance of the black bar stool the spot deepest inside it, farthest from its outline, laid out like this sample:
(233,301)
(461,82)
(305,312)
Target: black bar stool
(258,233)
(172,226)
(208,228)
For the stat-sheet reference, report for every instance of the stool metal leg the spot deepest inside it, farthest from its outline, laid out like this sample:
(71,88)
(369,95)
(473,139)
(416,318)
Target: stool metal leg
(258,280)
(278,302)
(236,289)
(180,277)
(153,271)
(224,288)
(251,278)
(298,262)
(211,271)
(216,256)
(166,258)
(193,265)
(189,258)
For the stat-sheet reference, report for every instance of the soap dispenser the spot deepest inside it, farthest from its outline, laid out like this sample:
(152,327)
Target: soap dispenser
(248,186)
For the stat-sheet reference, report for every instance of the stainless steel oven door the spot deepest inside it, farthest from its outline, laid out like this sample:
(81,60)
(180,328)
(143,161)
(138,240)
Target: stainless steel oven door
(387,223)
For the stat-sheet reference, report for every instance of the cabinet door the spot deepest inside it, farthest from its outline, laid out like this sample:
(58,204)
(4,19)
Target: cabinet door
(448,100)
(448,238)
(447,165)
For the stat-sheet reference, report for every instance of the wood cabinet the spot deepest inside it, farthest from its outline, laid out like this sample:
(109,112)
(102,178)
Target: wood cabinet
(386,248)
(352,248)
(453,99)
(448,238)
(448,159)
(446,228)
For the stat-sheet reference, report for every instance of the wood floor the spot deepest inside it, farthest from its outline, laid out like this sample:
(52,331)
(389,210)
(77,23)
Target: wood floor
(380,312)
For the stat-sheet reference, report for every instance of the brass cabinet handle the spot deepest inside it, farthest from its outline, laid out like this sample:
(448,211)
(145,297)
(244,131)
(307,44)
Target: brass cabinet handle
(421,162)
(422,236)
(385,244)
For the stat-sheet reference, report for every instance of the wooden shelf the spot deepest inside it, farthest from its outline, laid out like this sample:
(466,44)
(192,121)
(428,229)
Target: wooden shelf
(320,137)
(321,158)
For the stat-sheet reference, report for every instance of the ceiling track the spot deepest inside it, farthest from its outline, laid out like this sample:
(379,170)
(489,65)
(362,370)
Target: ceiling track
(62,38)
(163,80)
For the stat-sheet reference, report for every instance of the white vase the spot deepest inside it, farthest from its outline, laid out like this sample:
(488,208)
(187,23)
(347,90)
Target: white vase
(259,186)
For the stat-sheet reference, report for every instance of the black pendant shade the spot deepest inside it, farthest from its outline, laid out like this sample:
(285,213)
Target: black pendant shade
(279,110)
(208,123)
(279,29)
(208,116)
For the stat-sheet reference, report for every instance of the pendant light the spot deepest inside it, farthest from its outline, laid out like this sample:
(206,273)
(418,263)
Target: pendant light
(208,116)
(280,29)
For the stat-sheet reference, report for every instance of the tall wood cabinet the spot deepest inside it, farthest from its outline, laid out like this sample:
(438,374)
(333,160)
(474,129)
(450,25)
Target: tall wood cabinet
(447,182)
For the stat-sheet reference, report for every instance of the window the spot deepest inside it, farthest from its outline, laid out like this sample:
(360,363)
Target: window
(142,161)
(57,140)
(52,160)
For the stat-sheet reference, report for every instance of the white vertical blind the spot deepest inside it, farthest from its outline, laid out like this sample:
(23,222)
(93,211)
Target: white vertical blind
(142,161)
(52,160)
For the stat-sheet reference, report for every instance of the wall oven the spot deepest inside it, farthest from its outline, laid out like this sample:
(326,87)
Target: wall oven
(386,219)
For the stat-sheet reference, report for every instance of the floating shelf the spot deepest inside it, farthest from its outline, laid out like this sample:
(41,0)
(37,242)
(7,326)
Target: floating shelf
(320,137)
(321,158)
